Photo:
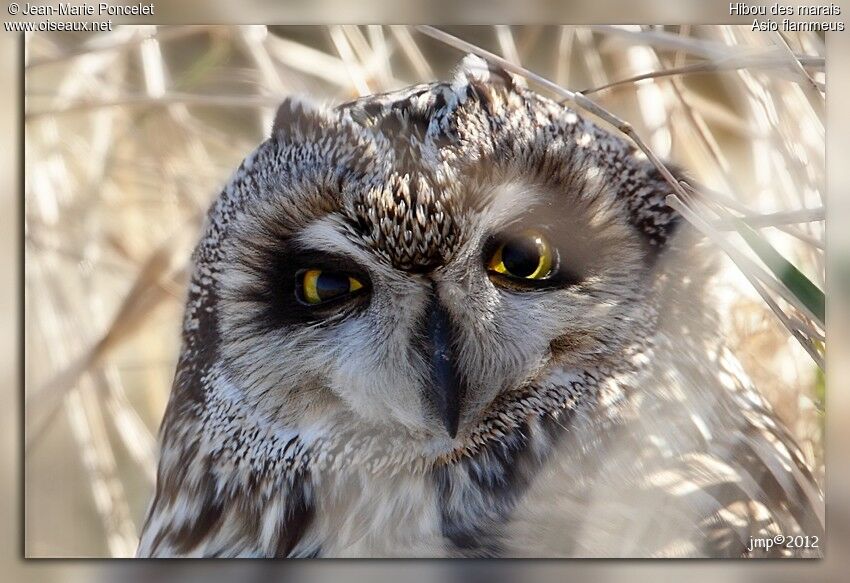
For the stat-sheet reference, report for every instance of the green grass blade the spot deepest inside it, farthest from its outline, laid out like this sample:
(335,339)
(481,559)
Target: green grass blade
(792,278)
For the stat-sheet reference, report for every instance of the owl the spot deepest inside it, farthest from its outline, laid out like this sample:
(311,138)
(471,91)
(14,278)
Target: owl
(459,320)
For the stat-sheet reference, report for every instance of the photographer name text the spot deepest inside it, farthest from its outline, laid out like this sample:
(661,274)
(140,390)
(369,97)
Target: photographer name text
(99,9)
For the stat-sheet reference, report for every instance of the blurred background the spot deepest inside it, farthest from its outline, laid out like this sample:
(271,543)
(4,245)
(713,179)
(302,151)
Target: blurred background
(129,135)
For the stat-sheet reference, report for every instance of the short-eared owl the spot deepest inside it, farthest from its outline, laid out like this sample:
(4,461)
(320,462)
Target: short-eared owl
(460,320)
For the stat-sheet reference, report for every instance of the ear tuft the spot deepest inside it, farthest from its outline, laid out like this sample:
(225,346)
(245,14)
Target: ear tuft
(475,70)
(296,115)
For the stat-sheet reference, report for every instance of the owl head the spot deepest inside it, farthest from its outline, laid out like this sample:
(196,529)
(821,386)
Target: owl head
(410,263)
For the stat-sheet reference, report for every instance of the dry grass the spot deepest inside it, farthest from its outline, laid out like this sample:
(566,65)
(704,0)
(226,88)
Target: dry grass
(130,134)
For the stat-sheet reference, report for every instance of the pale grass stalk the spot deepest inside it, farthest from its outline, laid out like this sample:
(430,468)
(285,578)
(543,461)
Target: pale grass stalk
(411,50)
(507,44)
(704,135)
(359,44)
(528,39)
(89,429)
(252,38)
(726,64)
(157,81)
(816,97)
(153,68)
(781,218)
(43,403)
(814,244)
(371,62)
(723,200)
(652,101)
(145,294)
(679,57)
(137,439)
(308,60)
(725,118)
(709,142)
(565,42)
(590,56)
(666,40)
(89,434)
(381,49)
(788,172)
(355,72)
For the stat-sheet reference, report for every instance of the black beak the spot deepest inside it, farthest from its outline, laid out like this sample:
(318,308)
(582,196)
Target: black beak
(447,390)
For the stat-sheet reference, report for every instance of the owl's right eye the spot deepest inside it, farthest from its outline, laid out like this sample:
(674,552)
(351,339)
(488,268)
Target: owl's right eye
(528,256)
(318,286)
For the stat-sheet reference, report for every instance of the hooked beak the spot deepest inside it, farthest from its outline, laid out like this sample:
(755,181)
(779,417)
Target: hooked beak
(447,390)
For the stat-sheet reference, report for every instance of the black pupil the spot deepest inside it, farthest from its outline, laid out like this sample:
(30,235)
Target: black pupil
(331,285)
(521,257)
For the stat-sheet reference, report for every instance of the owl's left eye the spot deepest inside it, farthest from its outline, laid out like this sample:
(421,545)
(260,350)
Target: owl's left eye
(317,286)
(527,256)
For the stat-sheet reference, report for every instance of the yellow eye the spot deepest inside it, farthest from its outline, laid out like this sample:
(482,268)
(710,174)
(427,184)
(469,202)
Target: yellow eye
(526,256)
(315,286)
